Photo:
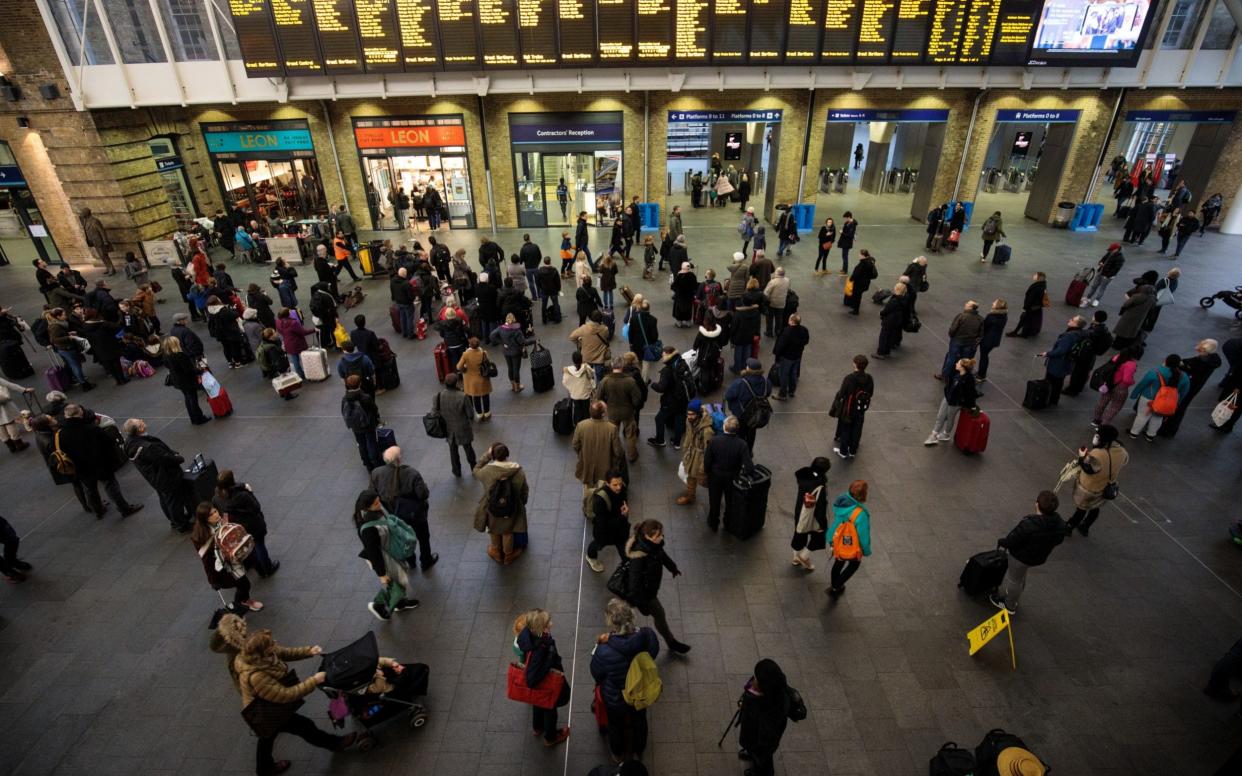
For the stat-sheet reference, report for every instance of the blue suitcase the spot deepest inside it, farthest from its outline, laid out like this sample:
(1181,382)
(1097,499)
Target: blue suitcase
(1001,253)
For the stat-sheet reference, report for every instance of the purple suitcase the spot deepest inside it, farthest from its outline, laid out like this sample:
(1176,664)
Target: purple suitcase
(58,378)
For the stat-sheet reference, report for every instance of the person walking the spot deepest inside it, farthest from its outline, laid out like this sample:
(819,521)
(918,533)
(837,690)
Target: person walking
(763,714)
(810,512)
(724,458)
(531,255)
(1099,467)
(607,507)
(476,368)
(990,338)
(993,231)
(362,417)
(458,411)
(45,428)
(597,448)
(404,493)
(222,572)
(624,399)
(745,397)
(827,237)
(1187,225)
(541,663)
(1059,360)
(1032,318)
(183,374)
(501,511)
(238,503)
(892,318)
(592,339)
(647,559)
(95,457)
(1098,339)
(160,466)
(513,341)
(582,237)
(1105,270)
(611,658)
(375,527)
(851,520)
(1210,210)
(935,222)
(1029,544)
(1152,405)
(960,392)
(849,228)
(786,232)
(850,406)
(699,432)
(791,341)
(964,334)
(1199,368)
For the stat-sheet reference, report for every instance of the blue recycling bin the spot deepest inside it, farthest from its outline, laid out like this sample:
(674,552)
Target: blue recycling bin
(649,215)
(804,217)
(1087,217)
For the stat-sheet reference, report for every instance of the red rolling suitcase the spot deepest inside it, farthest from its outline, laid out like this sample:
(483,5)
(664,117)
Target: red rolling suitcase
(221,407)
(1078,286)
(395,317)
(972,432)
(442,362)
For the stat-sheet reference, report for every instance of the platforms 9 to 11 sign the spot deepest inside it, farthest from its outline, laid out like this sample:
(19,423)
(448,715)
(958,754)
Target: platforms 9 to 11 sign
(340,37)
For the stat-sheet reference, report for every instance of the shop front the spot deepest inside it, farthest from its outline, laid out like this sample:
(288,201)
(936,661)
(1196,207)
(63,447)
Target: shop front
(415,154)
(266,167)
(23,233)
(564,164)
(1025,161)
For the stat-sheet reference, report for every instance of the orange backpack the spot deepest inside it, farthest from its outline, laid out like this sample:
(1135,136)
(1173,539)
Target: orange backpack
(1165,401)
(845,544)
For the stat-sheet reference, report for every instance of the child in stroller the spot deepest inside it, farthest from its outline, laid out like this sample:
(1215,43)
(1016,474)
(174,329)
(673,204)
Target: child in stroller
(372,689)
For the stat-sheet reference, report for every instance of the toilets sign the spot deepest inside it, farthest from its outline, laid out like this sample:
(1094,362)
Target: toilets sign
(1038,116)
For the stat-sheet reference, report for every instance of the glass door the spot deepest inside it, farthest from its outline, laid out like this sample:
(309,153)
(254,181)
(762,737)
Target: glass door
(529,189)
(23,233)
(236,194)
(379,173)
(455,188)
(306,180)
(607,181)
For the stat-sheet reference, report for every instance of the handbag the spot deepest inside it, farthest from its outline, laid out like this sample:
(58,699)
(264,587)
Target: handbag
(1046,302)
(652,351)
(849,287)
(435,425)
(1223,411)
(806,514)
(543,696)
(1164,296)
(1111,490)
(488,368)
(617,583)
(266,718)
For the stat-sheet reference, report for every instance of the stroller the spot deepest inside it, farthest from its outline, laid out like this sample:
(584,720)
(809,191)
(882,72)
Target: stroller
(351,670)
(1231,298)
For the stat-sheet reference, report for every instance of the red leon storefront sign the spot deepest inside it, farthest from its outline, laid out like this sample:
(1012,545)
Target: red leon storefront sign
(410,137)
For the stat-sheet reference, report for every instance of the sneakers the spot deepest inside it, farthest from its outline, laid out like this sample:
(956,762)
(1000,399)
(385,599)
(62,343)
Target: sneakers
(595,565)
(1000,603)
(1095,302)
(406,604)
(943,437)
(253,605)
(379,611)
(655,442)
(931,440)
(837,450)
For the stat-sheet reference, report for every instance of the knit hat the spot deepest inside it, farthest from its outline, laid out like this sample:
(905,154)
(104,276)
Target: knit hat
(754,364)
(694,406)
(1016,761)
(739,256)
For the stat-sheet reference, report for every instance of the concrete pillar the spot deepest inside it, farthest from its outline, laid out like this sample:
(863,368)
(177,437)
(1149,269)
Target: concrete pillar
(1232,224)
(880,138)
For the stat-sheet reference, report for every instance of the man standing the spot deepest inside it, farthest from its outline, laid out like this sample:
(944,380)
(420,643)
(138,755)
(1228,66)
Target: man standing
(620,392)
(723,460)
(964,335)
(433,203)
(775,292)
(1099,340)
(677,389)
(1029,544)
(403,297)
(1060,359)
(362,417)
(531,255)
(97,240)
(675,229)
(597,447)
(95,458)
(562,198)
(699,433)
(404,493)
(548,281)
(160,466)
(191,344)
(790,343)
(457,410)
(581,238)
(746,398)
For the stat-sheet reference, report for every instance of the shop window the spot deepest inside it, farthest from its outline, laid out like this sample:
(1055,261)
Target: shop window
(188,31)
(81,32)
(133,26)
(1220,29)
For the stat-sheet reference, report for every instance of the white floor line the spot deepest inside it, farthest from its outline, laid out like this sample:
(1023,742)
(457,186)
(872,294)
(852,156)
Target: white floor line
(573,662)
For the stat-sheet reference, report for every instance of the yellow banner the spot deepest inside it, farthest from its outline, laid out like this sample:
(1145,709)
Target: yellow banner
(987,630)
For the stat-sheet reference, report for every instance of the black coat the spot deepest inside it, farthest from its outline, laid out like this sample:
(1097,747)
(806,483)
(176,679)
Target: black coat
(488,297)
(1031,541)
(808,480)
(647,564)
(587,299)
(581,235)
(993,329)
(242,508)
(158,464)
(222,325)
(864,272)
(644,330)
(191,345)
(608,525)
(847,234)
(1033,299)
(893,313)
(763,718)
(262,303)
(671,385)
(102,336)
(726,455)
(93,451)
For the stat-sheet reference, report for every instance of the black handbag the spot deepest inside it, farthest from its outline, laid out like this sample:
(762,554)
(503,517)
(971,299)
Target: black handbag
(618,582)
(266,718)
(1112,489)
(435,425)
(488,367)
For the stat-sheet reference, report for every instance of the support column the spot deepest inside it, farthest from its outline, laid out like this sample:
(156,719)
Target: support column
(879,143)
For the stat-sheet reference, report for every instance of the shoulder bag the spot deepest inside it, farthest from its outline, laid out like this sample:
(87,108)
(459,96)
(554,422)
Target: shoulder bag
(543,696)
(1111,490)
(652,351)
(266,718)
(487,368)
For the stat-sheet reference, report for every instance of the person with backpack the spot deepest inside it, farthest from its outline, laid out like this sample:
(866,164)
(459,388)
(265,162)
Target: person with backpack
(608,509)
(1113,380)
(747,400)
(1097,340)
(791,341)
(405,494)
(501,511)
(810,512)
(1099,466)
(356,364)
(699,432)
(362,417)
(1029,544)
(84,450)
(224,572)
(960,392)
(541,663)
(850,407)
(764,712)
(724,458)
(849,535)
(677,388)
(238,503)
(1059,360)
(1159,394)
(647,560)
(611,667)
(386,543)
(993,231)
(1199,367)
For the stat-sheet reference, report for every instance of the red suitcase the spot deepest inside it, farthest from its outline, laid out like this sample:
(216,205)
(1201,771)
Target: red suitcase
(395,317)
(221,407)
(1073,294)
(442,362)
(972,432)
(754,348)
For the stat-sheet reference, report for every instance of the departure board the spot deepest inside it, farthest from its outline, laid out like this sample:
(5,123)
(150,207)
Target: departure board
(252,21)
(460,47)
(380,35)
(537,31)
(655,29)
(330,37)
(498,28)
(338,37)
(616,30)
(295,32)
(805,19)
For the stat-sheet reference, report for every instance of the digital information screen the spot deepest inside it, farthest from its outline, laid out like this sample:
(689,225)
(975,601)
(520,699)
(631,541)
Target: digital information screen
(329,37)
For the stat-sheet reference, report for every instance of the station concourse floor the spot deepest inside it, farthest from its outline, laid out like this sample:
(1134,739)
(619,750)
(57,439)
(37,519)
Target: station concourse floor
(106,666)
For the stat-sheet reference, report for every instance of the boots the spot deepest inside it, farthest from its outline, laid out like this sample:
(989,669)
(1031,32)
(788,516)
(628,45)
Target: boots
(493,552)
(20,445)
(688,497)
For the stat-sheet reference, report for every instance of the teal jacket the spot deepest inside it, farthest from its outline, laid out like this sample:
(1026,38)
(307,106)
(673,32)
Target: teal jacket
(842,508)
(1147,387)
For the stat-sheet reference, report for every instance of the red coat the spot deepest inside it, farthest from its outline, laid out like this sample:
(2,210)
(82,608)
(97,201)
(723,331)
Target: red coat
(202,268)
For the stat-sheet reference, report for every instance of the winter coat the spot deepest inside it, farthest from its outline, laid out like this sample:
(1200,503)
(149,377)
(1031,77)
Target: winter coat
(539,656)
(961,390)
(1059,359)
(158,464)
(454,333)
(598,448)
(588,300)
(608,276)
(512,339)
(808,480)
(579,381)
(743,391)
(244,509)
(272,359)
(644,330)
(293,335)
(775,292)
(966,328)
(762,270)
(253,331)
(488,298)
(864,272)
(105,347)
(610,663)
(371,418)
(549,280)
(609,526)
(1150,384)
(685,286)
(739,273)
(474,382)
(726,456)
(93,451)
(647,563)
(402,490)
(1098,467)
(261,676)
(489,472)
(517,273)
(592,339)
(1033,299)
(848,228)
(764,714)
(222,324)
(262,304)
(182,371)
(1134,311)
(993,330)
(842,508)
(694,445)
(457,410)
(1032,540)
(672,384)
(791,342)
(622,395)
(746,324)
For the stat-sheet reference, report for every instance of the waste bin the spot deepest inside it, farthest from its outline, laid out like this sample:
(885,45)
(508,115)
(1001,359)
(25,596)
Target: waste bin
(1063,215)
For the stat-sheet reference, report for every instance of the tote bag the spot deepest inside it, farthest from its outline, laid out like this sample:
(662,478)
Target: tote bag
(543,696)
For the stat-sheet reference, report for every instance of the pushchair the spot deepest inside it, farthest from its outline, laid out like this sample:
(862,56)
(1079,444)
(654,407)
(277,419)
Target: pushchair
(1231,298)
(351,670)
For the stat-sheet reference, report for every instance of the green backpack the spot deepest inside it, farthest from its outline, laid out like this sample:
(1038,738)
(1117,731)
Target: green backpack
(642,682)
(401,539)
(588,504)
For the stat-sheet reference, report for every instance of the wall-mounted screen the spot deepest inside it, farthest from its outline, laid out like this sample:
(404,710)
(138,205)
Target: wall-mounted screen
(1090,32)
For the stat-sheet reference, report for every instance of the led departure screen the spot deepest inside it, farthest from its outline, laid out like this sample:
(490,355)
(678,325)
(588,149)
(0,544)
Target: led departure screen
(326,37)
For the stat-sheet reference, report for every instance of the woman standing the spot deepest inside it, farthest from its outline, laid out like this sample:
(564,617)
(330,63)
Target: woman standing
(542,663)
(685,286)
(239,504)
(810,512)
(262,675)
(476,382)
(860,280)
(846,241)
(610,664)
(10,414)
(763,716)
(1200,368)
(644,331)
(849,509)
(1114,392)
(223,327)
(607,279)
(283,280)
(1147,421)
(201,267)
(850,407)
(587,298)
(827,236)
(993,328)
(273,362)
(183,375)
(1100,466)
(258,300)
(372,523)
(293,337)
(647,562)
(579,380)
(1032,318)
(960,392)
(723,189)
(513,342)
(221,572)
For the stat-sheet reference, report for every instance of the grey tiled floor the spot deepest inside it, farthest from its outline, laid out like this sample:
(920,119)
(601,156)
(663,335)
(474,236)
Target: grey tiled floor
(105,665)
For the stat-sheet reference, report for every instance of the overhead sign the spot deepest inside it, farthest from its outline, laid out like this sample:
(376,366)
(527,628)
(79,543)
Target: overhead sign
(257,138)
(979,636)
(898,116)
(1182,116)
(172,163)
(723,116)
(545,128)
(410,137)
(1039,116)
(11,176)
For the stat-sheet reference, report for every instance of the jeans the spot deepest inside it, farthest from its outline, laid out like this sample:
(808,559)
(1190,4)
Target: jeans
(433,218)
(301,727)
(368,448)
(849,433)
(789,369)
(945,418)
(1015,582)
(296,363)
(1182,239)
(532,282)
(845,260)
(740,354)
(405,313)
(1095,291)
(606,297)
(515,368)
(74,362)
(842,570)
(191,404)
(547,301)
(957,351)
(456,461)
(262,560)
(482,403)
(676,422)
(600,371)
(655,610)
(1146,422)
(783,246)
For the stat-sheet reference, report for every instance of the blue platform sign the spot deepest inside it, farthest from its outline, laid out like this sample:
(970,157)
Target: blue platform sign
(1026,116)
(1182,116)
(259,140)
(898,116)
(724,116)
(11,176)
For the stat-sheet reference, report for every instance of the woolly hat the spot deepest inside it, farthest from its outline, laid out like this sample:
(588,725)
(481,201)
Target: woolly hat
(694,406)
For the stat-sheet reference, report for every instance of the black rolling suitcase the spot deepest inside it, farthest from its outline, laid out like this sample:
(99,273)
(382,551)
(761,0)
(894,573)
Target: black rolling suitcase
(200,479)
(541,369)
(748,502)
(13,361)
(1038,393)
(386,374)
(563,417)
(984,572)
